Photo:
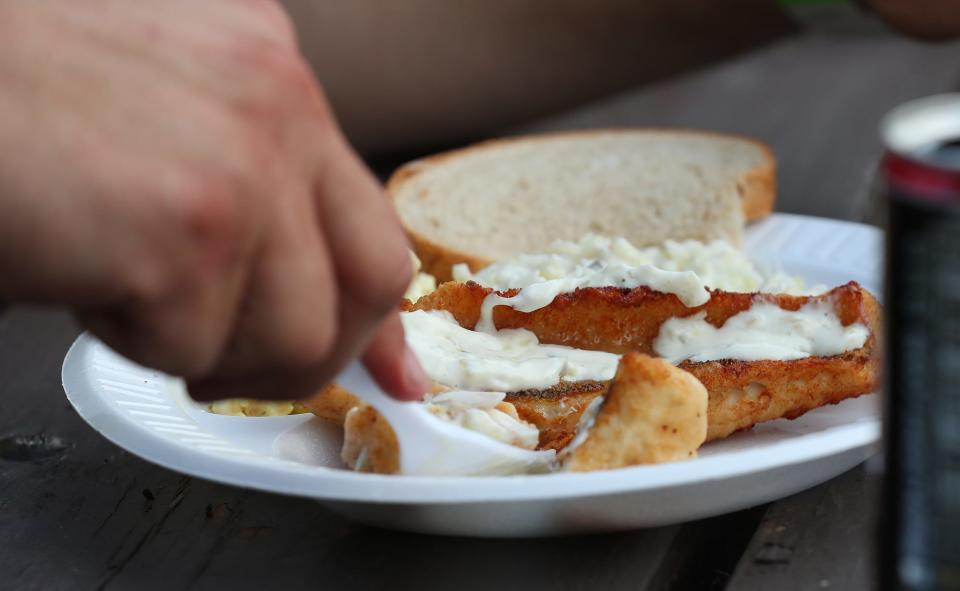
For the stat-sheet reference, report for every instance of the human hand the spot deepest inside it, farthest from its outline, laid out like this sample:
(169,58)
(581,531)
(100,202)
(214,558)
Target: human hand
(927,19)
(172,172)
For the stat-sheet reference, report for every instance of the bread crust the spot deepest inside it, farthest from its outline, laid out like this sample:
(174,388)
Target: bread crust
(756,187)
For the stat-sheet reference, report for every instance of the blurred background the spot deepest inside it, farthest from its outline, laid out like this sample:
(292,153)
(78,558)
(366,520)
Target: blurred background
(424,76)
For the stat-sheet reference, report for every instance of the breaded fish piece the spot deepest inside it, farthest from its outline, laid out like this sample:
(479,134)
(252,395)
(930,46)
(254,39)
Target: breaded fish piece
(369,443)
(554,411)
(653,412)
(618,320)
(332,403)
(742,393)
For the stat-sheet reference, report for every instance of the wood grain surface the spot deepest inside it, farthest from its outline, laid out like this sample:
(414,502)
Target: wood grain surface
(77,512)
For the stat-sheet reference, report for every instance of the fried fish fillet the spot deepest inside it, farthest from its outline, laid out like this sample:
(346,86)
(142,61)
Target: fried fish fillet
(652,412)
(741,393)
(618,320)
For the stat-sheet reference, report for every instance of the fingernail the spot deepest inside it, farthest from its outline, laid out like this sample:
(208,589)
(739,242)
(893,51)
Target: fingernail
(415,380)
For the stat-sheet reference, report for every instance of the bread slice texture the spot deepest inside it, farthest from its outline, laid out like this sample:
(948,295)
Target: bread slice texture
(517,195)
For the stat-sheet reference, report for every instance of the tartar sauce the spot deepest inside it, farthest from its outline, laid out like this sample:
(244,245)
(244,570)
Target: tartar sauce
(762,332)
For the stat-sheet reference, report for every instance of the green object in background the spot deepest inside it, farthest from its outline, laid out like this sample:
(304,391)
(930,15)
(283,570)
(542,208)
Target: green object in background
(843,17)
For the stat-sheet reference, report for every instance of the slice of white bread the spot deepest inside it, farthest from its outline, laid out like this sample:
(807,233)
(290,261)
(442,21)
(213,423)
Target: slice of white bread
(517,195)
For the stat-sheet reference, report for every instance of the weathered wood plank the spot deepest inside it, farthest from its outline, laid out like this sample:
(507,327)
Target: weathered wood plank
(704,553)
(95,517)
(822,538)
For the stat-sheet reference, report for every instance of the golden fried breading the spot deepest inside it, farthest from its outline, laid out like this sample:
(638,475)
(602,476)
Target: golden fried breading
(332,403)
(653,412)
(556,411)
(742,393)
(618,320)
(369,443)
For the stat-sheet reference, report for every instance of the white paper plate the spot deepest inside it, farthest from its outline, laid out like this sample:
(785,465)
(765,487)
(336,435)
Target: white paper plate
(148,414)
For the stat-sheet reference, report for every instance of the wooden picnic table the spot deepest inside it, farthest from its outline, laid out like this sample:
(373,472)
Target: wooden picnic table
(76,512)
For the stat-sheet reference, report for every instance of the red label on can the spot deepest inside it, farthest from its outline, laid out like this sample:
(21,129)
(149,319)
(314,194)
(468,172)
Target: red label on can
(910,178)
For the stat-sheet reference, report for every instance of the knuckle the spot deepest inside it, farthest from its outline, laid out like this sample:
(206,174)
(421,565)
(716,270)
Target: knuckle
(286,75)
(210,214)
(292,77)
(280,90)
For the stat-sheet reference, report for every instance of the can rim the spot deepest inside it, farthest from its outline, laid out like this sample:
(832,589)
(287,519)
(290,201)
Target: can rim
(921,122)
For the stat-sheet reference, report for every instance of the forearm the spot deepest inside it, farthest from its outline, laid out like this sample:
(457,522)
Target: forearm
(403,75)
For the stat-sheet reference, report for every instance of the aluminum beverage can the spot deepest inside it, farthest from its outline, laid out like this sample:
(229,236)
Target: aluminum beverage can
(920,176)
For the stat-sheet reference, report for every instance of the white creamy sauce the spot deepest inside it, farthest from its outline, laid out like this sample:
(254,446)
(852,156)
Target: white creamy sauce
(718,264)
(477,411)
(683,268)
(504,361)
(483,364)
(762,332)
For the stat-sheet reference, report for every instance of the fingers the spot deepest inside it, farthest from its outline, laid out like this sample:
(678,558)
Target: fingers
(182,334)
(180,286)
(393,364)
(272,256)
(389,360)
(297,333)
(287,327)
(372,262)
